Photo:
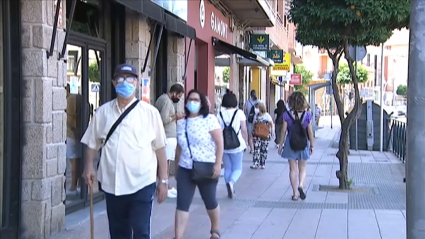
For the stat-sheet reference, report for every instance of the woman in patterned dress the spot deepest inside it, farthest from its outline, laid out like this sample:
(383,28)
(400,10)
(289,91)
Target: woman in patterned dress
(261,145)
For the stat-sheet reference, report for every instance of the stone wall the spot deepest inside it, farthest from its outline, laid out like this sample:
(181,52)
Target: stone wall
(43,107)
(176,63)
(137,43)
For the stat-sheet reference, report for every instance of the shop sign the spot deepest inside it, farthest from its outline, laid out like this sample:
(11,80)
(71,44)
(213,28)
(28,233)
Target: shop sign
(202,13)
(276,56)
(285,65)
(146,89)
(296,79)
(219,26)
(259,42)
(177,7)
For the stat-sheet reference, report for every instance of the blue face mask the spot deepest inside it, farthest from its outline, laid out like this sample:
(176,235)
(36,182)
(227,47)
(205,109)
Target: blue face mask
(125,89)
(193,106)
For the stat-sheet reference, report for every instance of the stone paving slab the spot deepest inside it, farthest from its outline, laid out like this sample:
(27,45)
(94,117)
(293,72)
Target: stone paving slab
(263,208)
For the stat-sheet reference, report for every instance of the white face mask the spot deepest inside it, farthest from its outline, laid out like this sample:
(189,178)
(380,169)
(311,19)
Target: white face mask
(257,110)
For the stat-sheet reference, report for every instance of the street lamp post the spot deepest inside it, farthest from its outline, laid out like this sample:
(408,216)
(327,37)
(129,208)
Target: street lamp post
(415,163)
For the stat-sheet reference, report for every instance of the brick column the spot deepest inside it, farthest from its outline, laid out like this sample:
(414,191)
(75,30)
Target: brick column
(43,106)
(137,38)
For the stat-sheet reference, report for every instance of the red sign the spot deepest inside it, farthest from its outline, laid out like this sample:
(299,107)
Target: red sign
(296,79)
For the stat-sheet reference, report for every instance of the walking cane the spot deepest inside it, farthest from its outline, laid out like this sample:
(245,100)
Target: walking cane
(91,213)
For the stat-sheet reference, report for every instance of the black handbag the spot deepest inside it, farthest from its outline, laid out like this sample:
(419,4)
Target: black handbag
(201,171)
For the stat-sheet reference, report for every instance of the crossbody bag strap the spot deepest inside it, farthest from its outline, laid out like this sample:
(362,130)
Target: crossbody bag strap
(122,116)
(187,138)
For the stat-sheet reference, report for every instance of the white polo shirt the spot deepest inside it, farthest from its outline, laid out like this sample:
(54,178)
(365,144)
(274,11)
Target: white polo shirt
(128,162)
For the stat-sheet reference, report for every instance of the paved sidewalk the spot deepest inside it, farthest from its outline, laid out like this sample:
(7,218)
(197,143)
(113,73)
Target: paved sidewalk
(373,209)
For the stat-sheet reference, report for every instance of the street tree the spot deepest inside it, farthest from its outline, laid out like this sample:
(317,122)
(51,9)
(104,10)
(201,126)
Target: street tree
(306,77)
(226,75)
(402,90)
(344,76)
(334,25)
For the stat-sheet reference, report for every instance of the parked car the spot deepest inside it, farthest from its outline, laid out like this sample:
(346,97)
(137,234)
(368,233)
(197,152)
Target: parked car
(401,110)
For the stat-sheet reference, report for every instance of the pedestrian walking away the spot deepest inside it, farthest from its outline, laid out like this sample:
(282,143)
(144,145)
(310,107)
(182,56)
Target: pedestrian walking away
(262,133)
(298,142)
(317,114)
(278,122)
(132,139)
(235,136)
(169,115)
(249,110)
(199,156)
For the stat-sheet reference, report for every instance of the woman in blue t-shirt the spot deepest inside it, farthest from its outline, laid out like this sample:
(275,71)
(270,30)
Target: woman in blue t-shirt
(297,158)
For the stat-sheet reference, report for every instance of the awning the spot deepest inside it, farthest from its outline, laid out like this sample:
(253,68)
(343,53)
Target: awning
(296,59)
(226,48)
(160,15)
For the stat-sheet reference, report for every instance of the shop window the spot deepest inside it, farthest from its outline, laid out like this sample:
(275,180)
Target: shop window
(87,17)
(72,61)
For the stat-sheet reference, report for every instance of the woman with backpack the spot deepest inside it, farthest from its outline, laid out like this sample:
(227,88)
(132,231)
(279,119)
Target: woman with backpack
(298,143)
(233,122)
(263,130)
(278,112)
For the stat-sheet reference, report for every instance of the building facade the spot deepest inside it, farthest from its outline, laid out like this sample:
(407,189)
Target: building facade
(56,64)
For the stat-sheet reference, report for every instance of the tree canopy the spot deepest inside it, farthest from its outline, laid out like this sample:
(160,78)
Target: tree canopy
(344,76)
(402,90)
(306,76)
(326,23)
(226,75)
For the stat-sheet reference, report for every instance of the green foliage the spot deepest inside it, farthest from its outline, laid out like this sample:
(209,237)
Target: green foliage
(226,75)
(402,90)
(326,23)
(94,73)
(307,76)
(344,76)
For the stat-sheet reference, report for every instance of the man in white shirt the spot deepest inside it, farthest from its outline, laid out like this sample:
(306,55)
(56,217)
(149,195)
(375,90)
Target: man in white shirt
(131,159)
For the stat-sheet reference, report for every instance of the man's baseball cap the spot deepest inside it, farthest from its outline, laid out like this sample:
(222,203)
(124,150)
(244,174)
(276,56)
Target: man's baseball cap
(125,69)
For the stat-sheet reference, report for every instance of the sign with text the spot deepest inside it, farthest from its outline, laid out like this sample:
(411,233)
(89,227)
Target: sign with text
(285,65)
(276,56)
(296,79)
(177,7)
(259,42)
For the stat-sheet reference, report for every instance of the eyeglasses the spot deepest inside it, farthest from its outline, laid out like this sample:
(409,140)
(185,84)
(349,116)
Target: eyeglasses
(129,79)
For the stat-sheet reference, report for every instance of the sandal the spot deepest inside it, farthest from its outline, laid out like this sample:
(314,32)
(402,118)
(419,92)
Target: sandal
(302,193)
(295,198)
(217,234)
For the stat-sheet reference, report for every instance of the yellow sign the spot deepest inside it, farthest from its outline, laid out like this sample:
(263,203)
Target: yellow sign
(260,39)
(285,65)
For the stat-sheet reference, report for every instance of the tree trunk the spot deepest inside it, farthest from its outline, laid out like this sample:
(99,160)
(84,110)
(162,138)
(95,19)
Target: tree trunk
(346,121)
(342,155)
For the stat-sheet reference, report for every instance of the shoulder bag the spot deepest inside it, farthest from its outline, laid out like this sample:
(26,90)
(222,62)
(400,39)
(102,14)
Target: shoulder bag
(261,130)
(113,128)
(122,116)
(201,171)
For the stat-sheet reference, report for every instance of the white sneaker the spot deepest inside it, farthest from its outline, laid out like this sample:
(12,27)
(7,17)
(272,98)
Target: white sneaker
(173,191)
(73,193)
(170,194)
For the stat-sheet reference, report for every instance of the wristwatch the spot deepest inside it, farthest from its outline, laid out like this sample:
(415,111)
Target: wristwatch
(164,181)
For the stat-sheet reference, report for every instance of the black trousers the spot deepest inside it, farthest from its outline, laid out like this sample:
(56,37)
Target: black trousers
(130,215)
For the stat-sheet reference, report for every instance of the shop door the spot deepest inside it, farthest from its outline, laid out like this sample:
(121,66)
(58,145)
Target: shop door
(86,88)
